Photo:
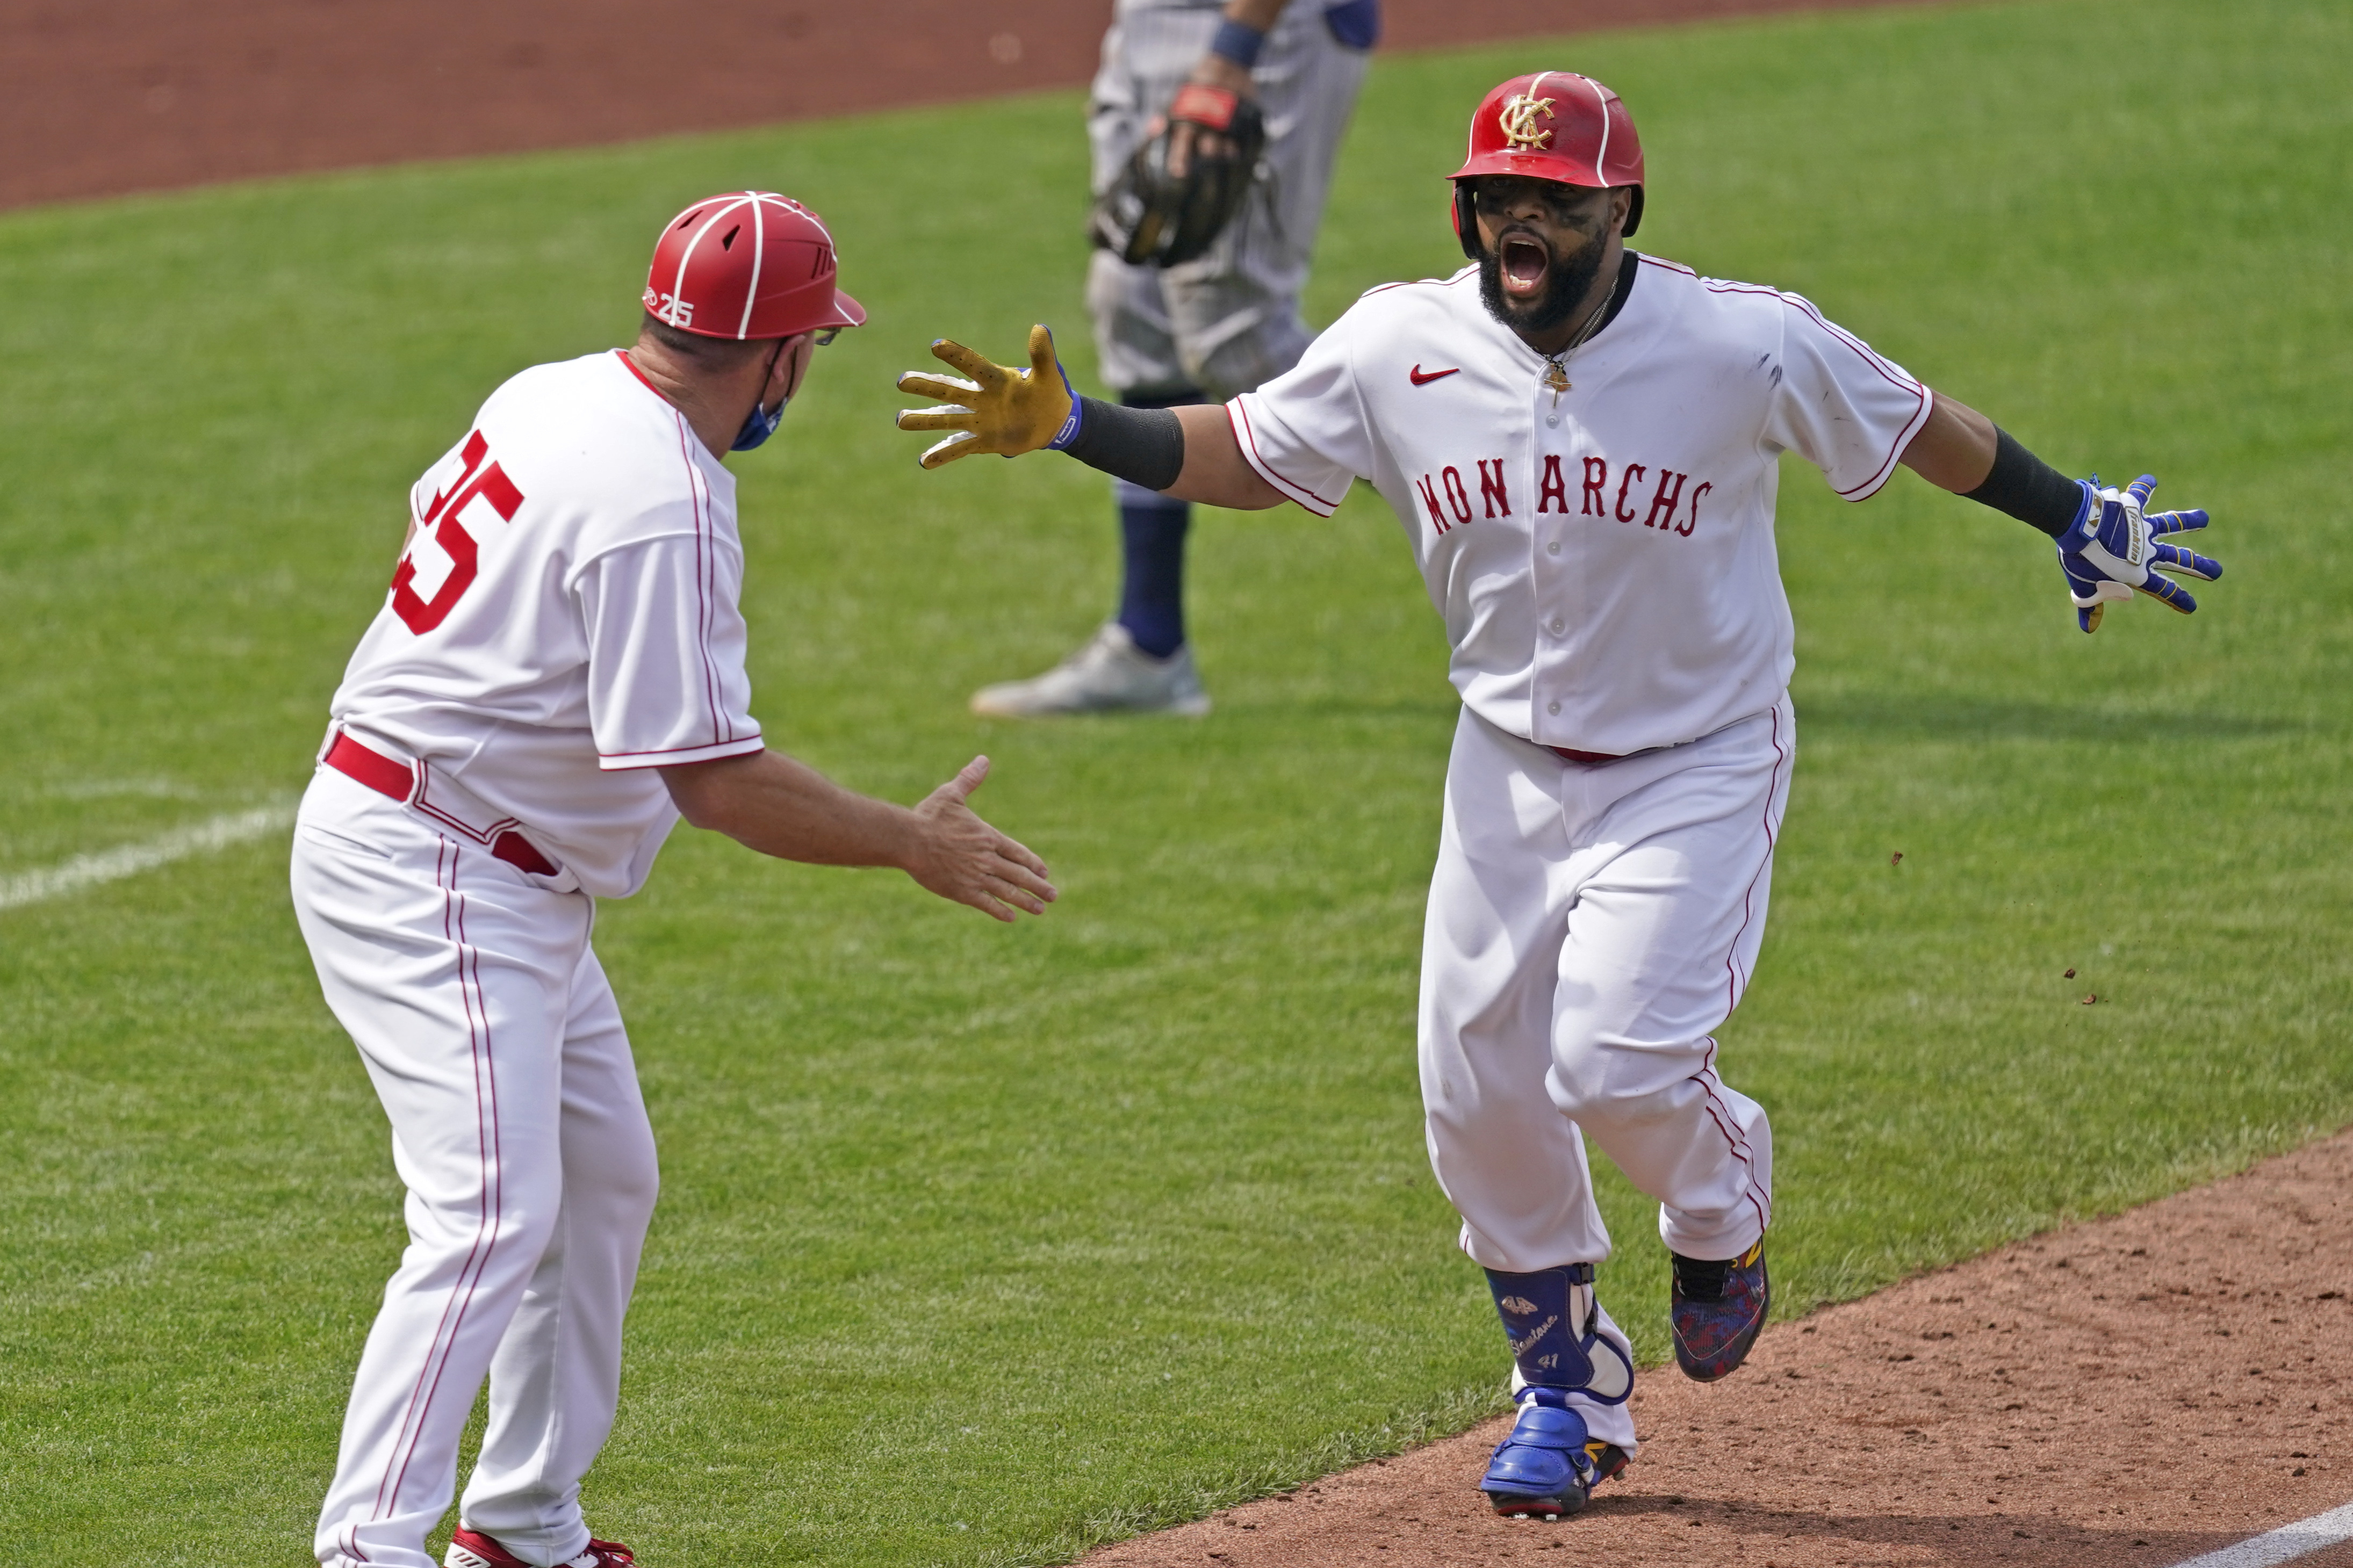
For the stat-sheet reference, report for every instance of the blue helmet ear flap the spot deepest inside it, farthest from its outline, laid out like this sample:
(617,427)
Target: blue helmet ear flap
(1466,223)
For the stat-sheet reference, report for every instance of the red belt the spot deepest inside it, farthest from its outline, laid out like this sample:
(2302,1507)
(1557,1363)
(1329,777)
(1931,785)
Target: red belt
(393,780)
(1578,756)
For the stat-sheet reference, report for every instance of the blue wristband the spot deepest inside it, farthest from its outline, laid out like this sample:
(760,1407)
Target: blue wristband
(1239,42)
(1070,430)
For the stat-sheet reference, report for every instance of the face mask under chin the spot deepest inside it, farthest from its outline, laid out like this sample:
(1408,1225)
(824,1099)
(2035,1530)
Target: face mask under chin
(758,426)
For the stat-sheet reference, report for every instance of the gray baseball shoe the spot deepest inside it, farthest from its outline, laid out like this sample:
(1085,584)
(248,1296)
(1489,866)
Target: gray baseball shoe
(1108,675)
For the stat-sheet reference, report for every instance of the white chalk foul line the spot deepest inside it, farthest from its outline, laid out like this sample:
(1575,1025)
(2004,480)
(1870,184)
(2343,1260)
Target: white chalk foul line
(129,859)
(2285,1544)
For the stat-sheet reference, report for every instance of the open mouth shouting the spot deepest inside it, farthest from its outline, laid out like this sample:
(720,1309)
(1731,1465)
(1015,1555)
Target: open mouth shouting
(1526,263)
(1534,276)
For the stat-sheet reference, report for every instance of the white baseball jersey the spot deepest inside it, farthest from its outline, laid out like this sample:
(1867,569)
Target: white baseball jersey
(565,619)
(1604,560)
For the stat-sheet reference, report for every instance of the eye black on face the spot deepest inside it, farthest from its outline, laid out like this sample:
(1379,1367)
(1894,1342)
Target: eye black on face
(1502,196)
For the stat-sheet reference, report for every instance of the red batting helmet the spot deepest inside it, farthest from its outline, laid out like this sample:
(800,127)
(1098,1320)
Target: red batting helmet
(1553,125)
(747,264)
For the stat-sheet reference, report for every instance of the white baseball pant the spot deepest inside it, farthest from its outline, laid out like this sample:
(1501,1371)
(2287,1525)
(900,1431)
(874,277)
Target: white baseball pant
(1230,320)
(1590,926)
(494,1042)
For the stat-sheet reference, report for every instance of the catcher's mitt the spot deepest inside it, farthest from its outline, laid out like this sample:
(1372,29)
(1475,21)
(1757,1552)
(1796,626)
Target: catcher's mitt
(1150,216)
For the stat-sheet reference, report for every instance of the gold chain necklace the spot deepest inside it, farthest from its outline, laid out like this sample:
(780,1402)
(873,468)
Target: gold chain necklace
(1556,375)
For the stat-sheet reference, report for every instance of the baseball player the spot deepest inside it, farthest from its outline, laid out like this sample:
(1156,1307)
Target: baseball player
(557,676)
(1176,75)
(1582,445)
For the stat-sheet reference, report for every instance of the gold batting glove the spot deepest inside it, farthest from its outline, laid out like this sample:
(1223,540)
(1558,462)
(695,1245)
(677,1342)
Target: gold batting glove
(1000,409)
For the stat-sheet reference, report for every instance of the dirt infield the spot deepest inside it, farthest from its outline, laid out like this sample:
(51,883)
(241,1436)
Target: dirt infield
(149,94)
(2136,1390)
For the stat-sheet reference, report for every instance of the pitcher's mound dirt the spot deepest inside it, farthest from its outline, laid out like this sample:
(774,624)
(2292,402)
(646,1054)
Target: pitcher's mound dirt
(2135,1391)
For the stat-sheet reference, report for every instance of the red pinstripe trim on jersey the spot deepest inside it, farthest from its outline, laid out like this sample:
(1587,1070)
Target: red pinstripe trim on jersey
(459,823)
(1886,469)
(1420,283)
(621,762)
(706,568)
(1912,427)
(703,567)
(1244,437)
(1864,350)
(384,775)
(623,355)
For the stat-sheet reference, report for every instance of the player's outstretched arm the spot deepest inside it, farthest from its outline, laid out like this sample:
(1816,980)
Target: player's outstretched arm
(2109,546)
(771,803)
(1188,453)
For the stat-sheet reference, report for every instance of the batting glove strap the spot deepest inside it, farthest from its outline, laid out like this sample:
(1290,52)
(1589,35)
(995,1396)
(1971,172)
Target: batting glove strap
(1070,430)
(2116,548)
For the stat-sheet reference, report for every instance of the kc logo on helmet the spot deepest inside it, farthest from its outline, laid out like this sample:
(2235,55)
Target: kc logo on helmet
(1519,120)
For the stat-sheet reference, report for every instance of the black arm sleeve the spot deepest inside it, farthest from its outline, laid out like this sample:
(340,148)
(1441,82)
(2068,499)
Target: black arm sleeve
(2028,488)
(1143,446)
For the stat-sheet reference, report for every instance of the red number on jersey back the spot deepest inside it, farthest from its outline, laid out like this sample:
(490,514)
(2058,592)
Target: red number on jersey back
(490,484)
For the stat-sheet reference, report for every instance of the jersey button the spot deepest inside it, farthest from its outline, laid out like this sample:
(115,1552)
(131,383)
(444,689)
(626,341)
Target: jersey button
(1552,708)
(1554,548)
(1556,625)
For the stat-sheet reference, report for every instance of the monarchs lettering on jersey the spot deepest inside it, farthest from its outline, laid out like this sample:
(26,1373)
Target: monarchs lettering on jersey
(1455,509)
(1630,597)
(1662,499)
(443,526)
(1491,491)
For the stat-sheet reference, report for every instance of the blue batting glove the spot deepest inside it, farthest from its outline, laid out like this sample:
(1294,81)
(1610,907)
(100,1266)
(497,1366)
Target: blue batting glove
(2113,551)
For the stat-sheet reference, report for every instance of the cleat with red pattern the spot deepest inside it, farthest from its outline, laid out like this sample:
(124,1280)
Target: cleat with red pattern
(1717,1309)
(472,1548)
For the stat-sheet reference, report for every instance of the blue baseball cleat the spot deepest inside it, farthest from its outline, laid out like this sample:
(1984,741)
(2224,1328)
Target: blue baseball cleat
(1548,1465)
(1717,1308)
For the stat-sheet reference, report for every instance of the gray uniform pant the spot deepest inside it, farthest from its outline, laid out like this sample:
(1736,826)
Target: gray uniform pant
(1230,320)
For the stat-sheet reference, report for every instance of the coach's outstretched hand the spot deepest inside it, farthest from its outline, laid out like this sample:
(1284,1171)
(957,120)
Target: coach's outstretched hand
(781,807)
(959,856)
(1001,409)
(2113,551)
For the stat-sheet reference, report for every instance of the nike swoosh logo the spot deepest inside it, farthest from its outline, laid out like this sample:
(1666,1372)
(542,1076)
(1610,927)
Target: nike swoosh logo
(1421,380)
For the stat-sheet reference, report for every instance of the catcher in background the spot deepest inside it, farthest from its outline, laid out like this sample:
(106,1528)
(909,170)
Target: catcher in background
(1214,132)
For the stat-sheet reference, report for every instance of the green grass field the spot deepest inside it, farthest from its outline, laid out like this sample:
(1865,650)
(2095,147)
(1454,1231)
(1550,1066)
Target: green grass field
(979,1245)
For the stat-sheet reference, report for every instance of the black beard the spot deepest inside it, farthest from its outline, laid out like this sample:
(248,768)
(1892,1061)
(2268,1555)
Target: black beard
(1565,287)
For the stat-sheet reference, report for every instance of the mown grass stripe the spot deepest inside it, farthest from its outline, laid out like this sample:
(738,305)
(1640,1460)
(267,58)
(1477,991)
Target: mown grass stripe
(129,859)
